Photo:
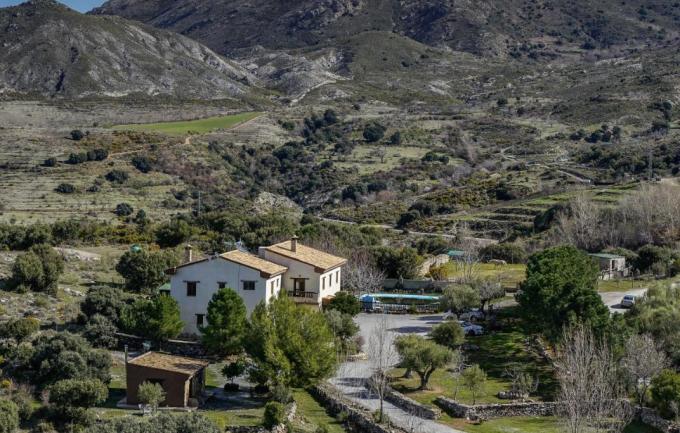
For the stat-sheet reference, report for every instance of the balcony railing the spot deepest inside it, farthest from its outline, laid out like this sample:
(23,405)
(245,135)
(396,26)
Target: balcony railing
(304,295)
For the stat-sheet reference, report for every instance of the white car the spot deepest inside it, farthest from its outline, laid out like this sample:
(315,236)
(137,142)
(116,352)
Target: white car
(471,328)
(628,301)
(472,315)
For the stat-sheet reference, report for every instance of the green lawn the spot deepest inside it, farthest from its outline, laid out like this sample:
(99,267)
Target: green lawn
(200,126)
(626,285)
(496,353)
(310,415)
(529,425)
(509,275)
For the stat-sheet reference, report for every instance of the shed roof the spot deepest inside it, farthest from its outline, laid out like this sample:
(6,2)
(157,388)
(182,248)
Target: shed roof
(307,255)
(176,364)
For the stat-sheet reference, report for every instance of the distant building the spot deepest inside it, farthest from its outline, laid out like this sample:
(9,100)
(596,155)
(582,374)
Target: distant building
(612,266)
(308,275)
(182,379)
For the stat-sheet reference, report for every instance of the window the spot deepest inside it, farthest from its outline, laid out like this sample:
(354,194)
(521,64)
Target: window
(221,285)
(323,283)
(337,277)
(248,285)
(199,319)
(191,288)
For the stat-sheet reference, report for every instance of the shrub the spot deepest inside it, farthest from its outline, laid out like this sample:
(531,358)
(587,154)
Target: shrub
(97,155)
(101,332)
(141,163)
(157,319)
(105,301)
(77,135)
(23,398)
(20,329)
(449,334)
(274,414)
(9,416)
(50,162)
(83,393)
(235,369)
(38,269)
(144,271)
(77,158)
(345,303)
(117,176)
(374,132)
(665,391)
(124,209)
(65,188)
(151,394)
(173,233)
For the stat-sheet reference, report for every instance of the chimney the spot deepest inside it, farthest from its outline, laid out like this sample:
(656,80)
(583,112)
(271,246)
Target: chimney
(188,254)
(293,243)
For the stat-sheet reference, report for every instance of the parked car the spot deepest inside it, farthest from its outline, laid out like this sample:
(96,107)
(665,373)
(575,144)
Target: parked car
(449,315)
(628,301)
(471,328)
(473,315)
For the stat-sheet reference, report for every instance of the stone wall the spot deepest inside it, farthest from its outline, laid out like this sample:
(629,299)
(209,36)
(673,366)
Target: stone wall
(408,404)
(193,349)
(652,418)
(459,410)
(360,419)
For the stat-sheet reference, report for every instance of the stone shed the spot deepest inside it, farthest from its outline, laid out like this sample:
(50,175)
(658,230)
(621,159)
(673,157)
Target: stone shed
(183,379)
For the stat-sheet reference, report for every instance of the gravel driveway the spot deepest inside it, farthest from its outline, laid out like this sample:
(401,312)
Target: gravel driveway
(350,375)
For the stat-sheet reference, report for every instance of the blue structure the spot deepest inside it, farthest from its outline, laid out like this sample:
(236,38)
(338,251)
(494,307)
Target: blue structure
(395,302)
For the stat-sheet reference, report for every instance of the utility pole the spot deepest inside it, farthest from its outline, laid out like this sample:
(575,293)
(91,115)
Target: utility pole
(199,203)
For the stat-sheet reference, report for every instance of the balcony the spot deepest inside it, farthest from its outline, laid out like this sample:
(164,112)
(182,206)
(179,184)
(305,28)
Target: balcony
(304,297)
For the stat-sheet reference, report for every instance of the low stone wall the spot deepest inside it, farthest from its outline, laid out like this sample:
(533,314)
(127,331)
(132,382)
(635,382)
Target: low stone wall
(193,349)
(652,418)
(360,419)
(408,404)
(460,410)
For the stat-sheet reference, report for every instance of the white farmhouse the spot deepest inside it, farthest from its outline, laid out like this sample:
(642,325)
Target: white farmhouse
(311,276)
(308,275)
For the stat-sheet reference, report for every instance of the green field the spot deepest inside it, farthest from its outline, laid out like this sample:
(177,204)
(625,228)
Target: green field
(200,126)
(529,425)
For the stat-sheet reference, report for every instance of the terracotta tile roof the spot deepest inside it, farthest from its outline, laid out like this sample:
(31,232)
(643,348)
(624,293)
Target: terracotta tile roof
(254,262)
(308,255)
(165,362)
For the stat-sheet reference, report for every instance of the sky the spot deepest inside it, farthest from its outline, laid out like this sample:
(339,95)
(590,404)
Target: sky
(79,5)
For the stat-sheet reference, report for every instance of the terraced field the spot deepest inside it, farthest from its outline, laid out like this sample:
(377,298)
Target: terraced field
(200,126)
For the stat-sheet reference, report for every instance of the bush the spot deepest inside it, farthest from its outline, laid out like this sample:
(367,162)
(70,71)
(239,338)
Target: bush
(665,391)
(77,158)
(19,329)
(374,132)
(65,188)
(84,393)
(449,334)
(173,233)
(124,209)
(101,332)
(235,369)
(105,301)
(23,398)
(117,176)
(157,319)
(345,303)
(38,269)
(274,414)
(50,162)
(77,135)
(151,394)
(651,255)
(97,155)
(9,416)
(141,163)
(144,271)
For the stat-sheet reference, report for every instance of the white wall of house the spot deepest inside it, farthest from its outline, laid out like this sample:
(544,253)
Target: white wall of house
(325,285)
(208,275)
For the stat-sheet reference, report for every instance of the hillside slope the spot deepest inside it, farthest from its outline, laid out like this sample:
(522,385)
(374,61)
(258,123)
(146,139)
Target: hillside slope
(51,50)
(485,27)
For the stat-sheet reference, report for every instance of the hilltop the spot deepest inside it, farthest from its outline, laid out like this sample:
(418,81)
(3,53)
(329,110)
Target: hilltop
(517,28)
(51,50)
